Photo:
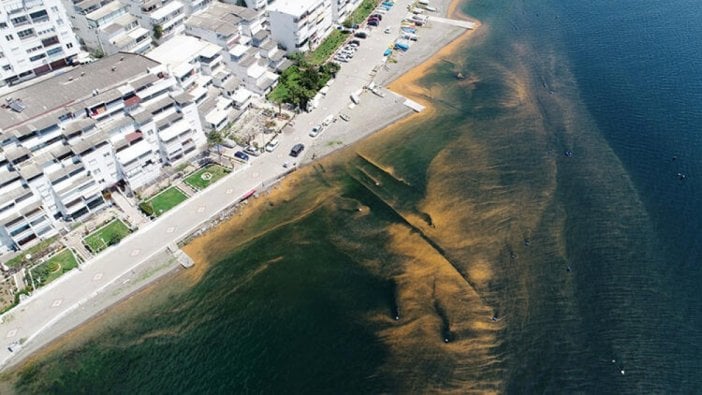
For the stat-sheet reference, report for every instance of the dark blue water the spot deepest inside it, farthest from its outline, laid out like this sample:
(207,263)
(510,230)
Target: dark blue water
(509,266)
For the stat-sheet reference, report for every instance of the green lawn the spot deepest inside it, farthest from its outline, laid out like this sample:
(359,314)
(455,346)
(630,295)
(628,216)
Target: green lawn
(35,251)
(52,269)
(327,48)
(362,12)
(202,178)
(106,236)
(166,200)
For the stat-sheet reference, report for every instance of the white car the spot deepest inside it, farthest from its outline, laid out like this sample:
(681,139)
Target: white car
(316,131)
(272,145)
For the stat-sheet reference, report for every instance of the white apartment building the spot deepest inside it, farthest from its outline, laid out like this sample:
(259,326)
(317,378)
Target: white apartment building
(257,5)
(112,123)
(201,72)
(107,27)
(35,38)
(342,9)
(300,25)
(234,29)
(167,16)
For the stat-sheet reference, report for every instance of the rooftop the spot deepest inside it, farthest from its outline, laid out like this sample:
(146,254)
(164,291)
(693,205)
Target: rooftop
(180,49)
(105,10)
(295,8)
(72,87)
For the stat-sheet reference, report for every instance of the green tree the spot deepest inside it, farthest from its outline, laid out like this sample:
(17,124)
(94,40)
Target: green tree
(158,32)
(215,138)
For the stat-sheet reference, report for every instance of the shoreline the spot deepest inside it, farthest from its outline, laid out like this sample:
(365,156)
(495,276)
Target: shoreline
(404,79)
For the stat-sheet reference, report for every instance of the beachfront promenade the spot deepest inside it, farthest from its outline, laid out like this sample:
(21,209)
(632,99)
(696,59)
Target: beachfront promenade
(74,290)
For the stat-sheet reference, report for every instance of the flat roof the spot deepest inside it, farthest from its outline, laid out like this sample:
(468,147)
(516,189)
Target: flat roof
(105,10)
(292,7)
(178,50)
(167,9)
(208,22)
(129,154)
(174,130)
(72,87)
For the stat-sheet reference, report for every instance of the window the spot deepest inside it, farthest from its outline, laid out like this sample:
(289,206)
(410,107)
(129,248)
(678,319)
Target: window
(50,41)
(37,57)
(3,25)
(25,33)
(9,37)
(54,51)
(54,9)
(69,45)
(19,21)
(7,67)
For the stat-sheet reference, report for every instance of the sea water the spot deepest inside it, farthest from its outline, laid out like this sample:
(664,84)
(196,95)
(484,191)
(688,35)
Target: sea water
(535,235)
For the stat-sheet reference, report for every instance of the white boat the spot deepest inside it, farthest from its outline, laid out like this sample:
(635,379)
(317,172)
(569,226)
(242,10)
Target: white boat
(356,97)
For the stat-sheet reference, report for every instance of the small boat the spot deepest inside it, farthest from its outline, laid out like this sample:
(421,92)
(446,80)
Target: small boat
(460,76)
(568,153)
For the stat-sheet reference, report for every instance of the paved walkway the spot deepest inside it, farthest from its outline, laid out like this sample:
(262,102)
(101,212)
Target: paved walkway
(134,215)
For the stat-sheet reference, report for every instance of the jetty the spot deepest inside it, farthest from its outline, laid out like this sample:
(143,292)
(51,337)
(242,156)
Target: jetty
(181,256)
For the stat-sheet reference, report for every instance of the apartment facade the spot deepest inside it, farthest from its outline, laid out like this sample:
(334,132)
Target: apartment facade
(342,9)
(300,25)
(112,123)
(35,38)
(107,27)
(239,32)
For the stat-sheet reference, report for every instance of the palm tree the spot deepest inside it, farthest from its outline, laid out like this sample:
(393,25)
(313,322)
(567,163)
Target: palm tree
(215,138)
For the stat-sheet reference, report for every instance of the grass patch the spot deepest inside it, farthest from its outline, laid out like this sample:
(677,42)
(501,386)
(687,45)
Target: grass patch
(164,201)
(206,176)
(52,269)
(326,48)
(36,251)
(362,12)
(106,236)
(300,83)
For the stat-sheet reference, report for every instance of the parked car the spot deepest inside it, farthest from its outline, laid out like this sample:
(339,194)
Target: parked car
(316,131)
(297,150)
(387,31)
(361,35)
(241,155)
(251,150)
(272,145)
(355,42)
(377,16)
(373,22)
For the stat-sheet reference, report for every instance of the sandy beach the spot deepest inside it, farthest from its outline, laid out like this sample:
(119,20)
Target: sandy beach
(374,115)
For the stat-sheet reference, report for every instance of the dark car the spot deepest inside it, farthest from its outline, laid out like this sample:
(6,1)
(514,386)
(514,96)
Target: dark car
(377,16)
(373,22)
(241,155)
(373,19)
(296,150)
(361,35)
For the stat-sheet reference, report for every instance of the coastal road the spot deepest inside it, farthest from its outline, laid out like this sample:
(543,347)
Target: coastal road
(57,300)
